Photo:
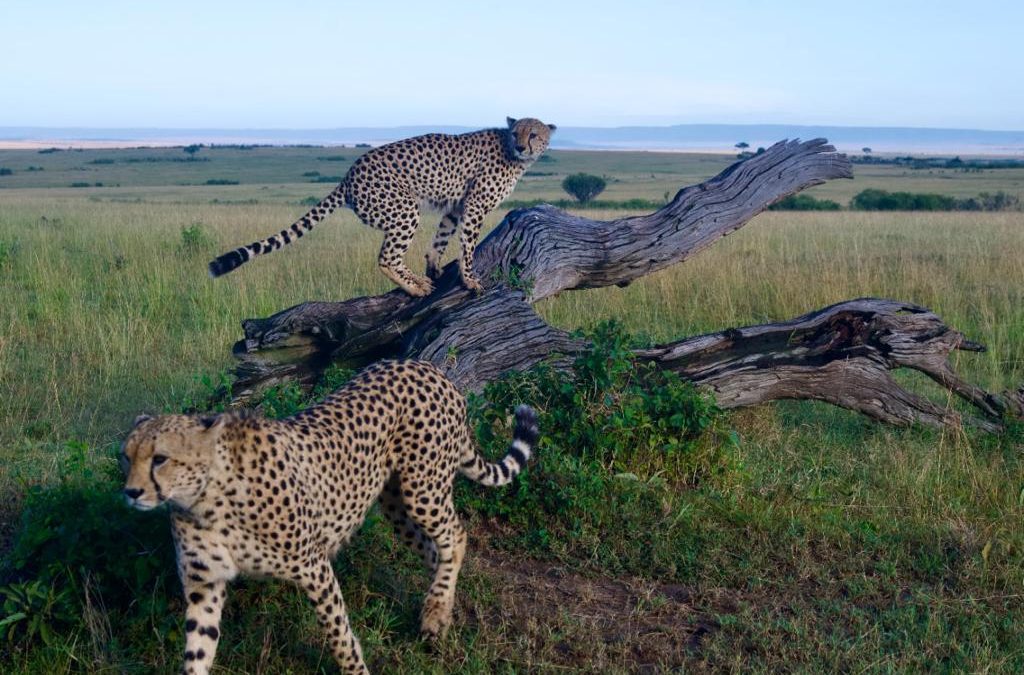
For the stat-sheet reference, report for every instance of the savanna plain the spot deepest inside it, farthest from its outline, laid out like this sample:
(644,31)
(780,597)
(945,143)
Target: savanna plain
(793,536)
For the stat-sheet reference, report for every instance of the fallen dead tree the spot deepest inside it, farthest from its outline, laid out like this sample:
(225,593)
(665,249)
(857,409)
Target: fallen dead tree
(843,354)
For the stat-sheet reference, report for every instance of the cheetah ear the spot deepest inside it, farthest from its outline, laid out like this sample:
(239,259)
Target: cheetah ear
(552,127)
(215,422)
(511,121)
(140,419)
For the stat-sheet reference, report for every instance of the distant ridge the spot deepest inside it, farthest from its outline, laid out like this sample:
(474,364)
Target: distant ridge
(695,137)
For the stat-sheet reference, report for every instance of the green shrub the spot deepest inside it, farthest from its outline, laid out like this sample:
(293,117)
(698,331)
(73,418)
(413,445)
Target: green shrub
(194,238)
(584,186)
(611,429)
(5,171)
(804,203)
(221,181)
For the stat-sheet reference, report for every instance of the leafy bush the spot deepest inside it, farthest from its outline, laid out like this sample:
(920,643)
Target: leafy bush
(5,171)
(101,160)
(804,203)
(874,199)
(584,186)
(611,429)
(221,181)
(880,200)
(311,174)
(80,184)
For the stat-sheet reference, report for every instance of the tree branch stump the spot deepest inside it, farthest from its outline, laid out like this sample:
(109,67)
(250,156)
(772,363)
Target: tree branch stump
(843,354)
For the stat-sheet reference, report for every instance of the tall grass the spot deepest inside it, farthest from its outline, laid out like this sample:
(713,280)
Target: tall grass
(109,309)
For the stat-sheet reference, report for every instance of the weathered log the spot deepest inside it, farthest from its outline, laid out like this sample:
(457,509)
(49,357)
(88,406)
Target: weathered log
(841,354)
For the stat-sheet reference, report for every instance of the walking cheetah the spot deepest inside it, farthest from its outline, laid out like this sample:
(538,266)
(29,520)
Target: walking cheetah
(278,498)
(464,177)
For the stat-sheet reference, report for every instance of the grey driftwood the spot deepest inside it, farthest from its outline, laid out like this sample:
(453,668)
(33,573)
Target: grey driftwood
(843,354)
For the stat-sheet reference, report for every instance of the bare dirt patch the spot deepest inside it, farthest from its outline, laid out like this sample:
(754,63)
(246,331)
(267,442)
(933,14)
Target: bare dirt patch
(590,624)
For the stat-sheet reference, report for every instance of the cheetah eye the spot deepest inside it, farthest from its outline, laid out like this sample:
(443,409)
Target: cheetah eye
(532,135)
(159,459)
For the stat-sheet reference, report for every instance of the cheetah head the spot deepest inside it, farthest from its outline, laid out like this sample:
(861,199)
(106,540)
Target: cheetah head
(167,459)
(528,138)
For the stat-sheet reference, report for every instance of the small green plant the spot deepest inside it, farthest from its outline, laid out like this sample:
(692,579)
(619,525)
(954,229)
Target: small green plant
(194,238)
(5,171)
(584,186)
(221,181)
(8,251)
(512,276)
(32,609)
(287,399)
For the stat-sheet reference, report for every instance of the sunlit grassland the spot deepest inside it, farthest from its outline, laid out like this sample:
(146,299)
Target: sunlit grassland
(109,310)
(832,543)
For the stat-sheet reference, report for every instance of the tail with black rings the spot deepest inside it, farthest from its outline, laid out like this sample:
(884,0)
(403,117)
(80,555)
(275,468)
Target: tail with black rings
(234,259)
(502,472)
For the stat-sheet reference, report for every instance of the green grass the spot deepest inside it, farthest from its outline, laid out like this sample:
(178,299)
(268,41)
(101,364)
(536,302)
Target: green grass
(822,542)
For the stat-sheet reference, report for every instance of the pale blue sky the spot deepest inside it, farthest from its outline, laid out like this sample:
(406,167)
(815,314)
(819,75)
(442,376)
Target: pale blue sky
(317,63)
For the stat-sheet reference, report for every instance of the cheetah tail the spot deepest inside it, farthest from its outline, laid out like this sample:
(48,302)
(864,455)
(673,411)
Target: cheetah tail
(524,438)
(242,255)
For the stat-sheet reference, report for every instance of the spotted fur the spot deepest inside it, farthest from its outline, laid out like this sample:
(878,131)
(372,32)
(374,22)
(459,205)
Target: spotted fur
(278,498)
(464,177)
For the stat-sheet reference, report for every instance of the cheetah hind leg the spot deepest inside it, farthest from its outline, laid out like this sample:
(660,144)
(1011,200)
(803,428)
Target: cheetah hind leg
(406,529)
(450,539)
(392,259)
(445,230)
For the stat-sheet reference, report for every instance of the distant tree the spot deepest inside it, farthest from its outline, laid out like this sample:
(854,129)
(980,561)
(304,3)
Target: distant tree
(742,145)
(584,186)
(866,151)
(760,151)
(191,150)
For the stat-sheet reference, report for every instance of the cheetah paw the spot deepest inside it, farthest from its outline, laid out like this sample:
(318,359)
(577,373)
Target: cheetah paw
(437,617)
(419,287)
(472,284)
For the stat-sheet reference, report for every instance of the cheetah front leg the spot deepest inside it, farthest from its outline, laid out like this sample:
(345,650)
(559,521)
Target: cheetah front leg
(321,586)
(469,232)
(202,619)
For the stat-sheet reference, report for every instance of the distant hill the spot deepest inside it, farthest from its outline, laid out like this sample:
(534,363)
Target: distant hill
(701,137)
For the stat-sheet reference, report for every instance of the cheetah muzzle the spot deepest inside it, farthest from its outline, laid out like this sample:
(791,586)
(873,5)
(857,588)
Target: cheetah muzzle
(465,177)
(279,498)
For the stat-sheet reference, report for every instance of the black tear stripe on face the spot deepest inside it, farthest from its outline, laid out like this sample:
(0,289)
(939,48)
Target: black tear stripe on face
(159,491)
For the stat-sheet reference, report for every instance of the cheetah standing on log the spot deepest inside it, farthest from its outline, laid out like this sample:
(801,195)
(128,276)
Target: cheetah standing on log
(464,177)
(279,497)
